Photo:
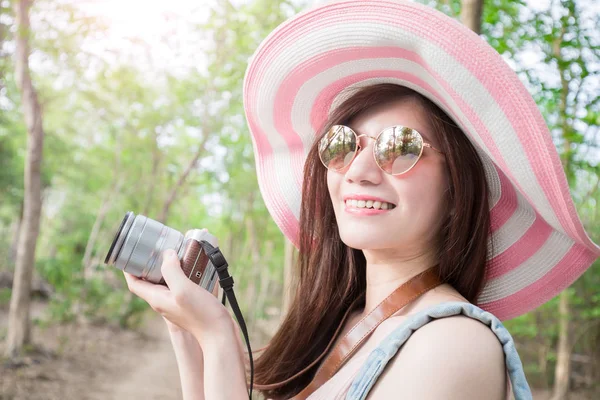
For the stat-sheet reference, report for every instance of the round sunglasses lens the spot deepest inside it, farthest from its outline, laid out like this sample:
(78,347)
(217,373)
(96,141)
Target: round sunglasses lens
(337,147)
(398,149)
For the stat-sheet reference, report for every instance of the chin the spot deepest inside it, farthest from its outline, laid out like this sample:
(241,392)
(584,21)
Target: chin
(362,241)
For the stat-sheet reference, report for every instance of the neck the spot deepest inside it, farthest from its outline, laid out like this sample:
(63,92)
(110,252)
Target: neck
(385,273)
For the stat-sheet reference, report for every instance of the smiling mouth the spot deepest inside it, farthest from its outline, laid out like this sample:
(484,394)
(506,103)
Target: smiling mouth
(368,205)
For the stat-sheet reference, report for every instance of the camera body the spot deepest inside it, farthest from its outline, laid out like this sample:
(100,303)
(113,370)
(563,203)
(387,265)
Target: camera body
(139,242)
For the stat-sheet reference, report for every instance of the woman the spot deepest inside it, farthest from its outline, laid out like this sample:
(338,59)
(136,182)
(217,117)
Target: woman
(394,107)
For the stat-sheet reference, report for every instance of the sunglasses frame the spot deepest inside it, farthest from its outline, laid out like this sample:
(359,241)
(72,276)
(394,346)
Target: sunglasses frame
(359,147)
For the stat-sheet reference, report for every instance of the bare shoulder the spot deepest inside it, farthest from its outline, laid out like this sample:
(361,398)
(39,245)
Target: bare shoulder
(451,358)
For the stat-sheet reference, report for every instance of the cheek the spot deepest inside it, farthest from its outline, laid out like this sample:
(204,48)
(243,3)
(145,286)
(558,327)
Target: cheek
(332,185)
(424,197)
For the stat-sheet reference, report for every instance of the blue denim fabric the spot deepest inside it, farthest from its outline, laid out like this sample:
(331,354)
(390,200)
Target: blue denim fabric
(379,357)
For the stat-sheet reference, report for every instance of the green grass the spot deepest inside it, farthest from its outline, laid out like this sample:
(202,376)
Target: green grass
(5,296)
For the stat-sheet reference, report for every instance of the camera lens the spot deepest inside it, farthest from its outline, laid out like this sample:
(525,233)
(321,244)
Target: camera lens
(138,245)
(114,247)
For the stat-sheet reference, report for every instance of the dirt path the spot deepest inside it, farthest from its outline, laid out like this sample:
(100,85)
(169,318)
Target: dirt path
(75,362)
(147,371)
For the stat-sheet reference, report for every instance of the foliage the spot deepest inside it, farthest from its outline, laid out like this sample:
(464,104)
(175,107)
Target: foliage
(112,123)
(122,124)
(5,295)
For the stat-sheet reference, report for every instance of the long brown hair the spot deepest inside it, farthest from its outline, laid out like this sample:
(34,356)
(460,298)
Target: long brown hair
(333,275)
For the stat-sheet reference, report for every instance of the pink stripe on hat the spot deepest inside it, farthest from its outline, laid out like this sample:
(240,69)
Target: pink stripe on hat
(564,273)
(518,253)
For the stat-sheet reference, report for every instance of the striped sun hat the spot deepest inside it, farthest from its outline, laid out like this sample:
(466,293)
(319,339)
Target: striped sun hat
(304,68)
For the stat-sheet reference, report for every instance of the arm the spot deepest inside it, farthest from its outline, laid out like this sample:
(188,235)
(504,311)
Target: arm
(224,372)
(454,358)
(190,364)
(222,365)
(190,360)
(195,310)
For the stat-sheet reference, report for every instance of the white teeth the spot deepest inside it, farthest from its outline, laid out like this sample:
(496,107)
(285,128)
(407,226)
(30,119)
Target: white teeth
(377,205)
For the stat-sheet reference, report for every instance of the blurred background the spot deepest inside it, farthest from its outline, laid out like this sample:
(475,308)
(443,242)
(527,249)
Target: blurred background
(115,105)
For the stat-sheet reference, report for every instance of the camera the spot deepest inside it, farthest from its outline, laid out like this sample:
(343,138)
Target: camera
(138,246)
(139,242)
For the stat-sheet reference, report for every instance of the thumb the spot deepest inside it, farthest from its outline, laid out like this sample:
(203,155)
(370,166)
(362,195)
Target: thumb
(172,272)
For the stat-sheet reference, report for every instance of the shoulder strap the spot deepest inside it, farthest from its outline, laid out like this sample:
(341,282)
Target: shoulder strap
(348,345)
(367,377)
(319,358)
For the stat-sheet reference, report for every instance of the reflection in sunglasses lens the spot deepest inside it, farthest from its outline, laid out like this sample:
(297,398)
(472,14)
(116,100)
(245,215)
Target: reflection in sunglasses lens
(398,149)
(337,147)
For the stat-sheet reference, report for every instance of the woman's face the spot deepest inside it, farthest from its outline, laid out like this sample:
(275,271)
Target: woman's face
(410,228)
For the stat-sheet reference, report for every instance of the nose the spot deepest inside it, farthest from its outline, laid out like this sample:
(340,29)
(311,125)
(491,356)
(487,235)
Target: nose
(364,169)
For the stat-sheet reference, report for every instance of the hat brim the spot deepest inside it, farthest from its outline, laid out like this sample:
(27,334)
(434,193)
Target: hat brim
(304,68)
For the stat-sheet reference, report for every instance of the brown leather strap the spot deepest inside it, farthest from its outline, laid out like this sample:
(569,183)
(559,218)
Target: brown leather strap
(413,288)
(312,364)
(348,345)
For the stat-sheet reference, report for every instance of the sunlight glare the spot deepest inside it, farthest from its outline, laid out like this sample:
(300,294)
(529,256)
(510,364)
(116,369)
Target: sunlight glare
(144,19)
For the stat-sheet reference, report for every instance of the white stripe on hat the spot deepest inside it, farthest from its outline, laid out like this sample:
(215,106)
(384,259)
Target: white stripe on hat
(492,178)
(286,181)
(513,229)
(535,267)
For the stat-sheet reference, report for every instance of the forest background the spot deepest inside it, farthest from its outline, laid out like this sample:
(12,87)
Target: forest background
(113,106)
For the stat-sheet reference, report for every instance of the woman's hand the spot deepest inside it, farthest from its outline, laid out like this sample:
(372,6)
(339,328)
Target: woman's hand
(183,304)
(172,328)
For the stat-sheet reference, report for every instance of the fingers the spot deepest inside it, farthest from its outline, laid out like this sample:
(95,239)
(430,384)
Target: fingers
(146,290)
(172,272)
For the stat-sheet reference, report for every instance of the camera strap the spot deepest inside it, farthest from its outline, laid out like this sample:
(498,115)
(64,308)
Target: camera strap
(340,349)
(226,281)
(347,345)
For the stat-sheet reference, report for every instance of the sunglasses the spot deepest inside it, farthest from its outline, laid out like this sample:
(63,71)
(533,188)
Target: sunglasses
(396,150)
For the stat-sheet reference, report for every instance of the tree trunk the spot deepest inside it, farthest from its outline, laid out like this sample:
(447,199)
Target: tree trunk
(113,191)
(265,285)
(563,356)
(104,207)
(4,10)
(153,176)
(471,13)
(89,247)
(255,270)
(15,231)
(542,353)
(18,319)
(180,182)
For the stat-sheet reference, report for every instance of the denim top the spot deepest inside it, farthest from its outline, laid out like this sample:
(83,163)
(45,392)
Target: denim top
(357,384)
